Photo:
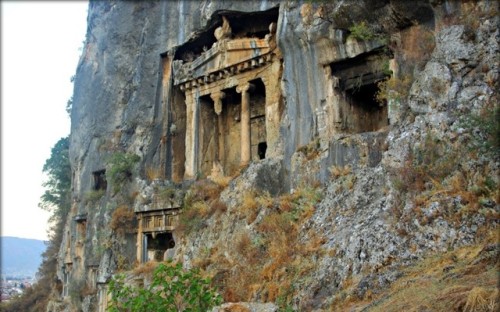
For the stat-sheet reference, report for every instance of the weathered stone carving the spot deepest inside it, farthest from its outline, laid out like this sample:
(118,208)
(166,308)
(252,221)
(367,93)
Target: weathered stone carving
(223,32)
(228,67)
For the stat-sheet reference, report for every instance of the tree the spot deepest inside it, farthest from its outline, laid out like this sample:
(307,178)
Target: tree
(57,196)
(172,289)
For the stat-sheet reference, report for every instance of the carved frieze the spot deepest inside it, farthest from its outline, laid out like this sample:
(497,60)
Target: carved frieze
(224,59)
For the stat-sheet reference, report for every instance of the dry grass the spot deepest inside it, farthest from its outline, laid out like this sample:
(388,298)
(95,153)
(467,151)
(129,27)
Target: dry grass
(203,190)
(393,89)
(243,243)
(263,264)
(146,268)
(154,173)
(237,308)
(249,207)
(192,218)
(462,280)
(482,299)
(274,256)
(265,200)
(217,207)
(222,181)
(123,220)
(310,151)
(339,171)
(432,174)
(201,202)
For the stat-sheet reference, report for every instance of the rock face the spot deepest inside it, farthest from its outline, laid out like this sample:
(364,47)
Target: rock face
(365,105)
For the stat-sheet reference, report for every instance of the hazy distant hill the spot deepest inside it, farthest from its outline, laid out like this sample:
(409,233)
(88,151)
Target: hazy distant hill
(21,256)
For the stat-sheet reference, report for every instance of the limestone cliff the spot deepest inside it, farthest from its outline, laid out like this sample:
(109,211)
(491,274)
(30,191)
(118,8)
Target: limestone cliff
(301,153)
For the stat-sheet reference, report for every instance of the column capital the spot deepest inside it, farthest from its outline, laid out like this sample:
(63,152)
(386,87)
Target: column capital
(244,87)
(217,98)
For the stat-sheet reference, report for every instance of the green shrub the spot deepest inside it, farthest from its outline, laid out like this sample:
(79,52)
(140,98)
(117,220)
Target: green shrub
(92,197)
(121,168)
(172,289)
(393,89)
(485,130)
(361,31)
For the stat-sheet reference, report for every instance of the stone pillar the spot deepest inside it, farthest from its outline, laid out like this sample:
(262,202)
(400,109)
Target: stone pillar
(271,82)
(139,239)
(246,152)
(219,140)
(191,127)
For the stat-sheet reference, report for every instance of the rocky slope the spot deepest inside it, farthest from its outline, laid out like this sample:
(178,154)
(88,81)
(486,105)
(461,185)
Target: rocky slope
(352,191)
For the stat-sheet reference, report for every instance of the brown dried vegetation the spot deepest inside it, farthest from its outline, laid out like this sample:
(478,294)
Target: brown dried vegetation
(123,220)
(461,280)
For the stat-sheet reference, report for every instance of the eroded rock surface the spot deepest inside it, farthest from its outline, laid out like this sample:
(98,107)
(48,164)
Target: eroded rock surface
(323,145)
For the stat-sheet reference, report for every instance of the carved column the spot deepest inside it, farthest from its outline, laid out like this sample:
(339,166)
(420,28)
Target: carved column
(245,123)
(139,239)
(191,126)
(271,80)
(219,140)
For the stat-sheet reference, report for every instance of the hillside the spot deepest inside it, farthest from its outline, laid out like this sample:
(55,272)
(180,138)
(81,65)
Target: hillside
(21,256)
(302,155)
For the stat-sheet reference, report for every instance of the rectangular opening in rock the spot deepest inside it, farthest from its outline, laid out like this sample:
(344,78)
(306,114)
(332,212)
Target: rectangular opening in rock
(99,180)
(92,277)
(356,88)
(155,245)
(258,119)
(66,278)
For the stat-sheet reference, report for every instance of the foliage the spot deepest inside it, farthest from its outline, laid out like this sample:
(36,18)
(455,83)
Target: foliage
(57,188)
(69,106)
(393,89)
(434,175)
(361,31)
(91,197)
(429,163)
(433,160)
(166,194)
(311,150)
(485,130)
(192,217)
(203,190)
(121,168)
(200,202)
(172,289)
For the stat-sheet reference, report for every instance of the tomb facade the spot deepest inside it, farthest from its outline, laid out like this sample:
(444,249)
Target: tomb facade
(231,103)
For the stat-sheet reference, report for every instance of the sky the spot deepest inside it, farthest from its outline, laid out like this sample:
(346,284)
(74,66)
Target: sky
(41,43)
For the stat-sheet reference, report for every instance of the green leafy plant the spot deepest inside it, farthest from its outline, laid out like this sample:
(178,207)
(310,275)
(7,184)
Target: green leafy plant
(393,89)
(485,130)
(92,197)
(172,289)
(121,168)
(57,196)
(361,31)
